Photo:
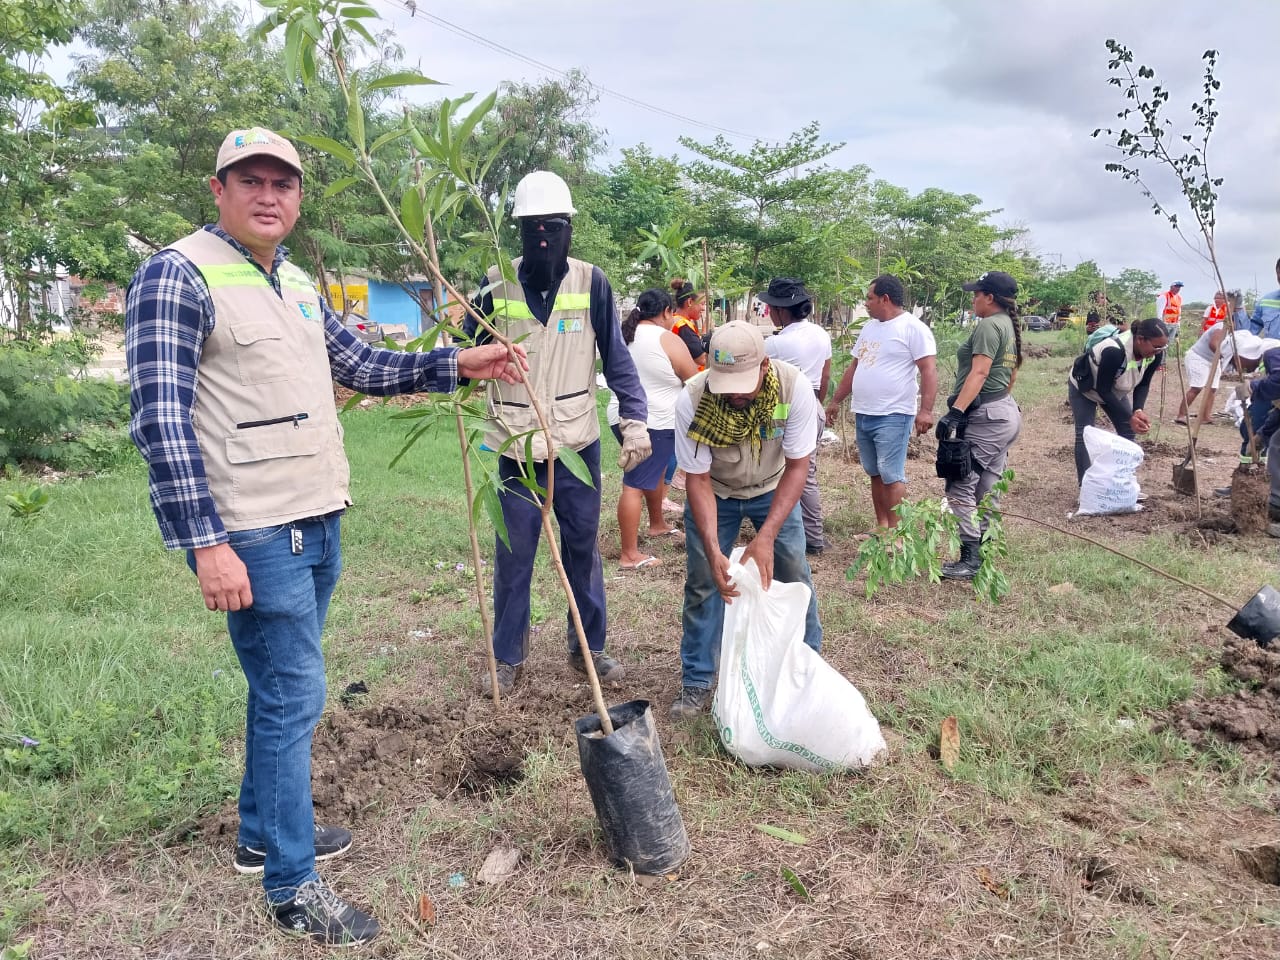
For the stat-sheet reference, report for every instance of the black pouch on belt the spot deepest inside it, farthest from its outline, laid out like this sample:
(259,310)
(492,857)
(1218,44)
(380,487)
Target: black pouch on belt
(955,457)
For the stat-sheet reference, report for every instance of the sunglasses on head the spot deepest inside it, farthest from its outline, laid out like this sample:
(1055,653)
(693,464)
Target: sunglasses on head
(544,224)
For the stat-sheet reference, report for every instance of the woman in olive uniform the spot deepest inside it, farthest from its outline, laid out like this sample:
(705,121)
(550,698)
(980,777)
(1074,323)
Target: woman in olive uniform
(987,363)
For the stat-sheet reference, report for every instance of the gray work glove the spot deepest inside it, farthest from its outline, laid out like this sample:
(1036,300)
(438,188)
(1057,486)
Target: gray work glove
(636,446)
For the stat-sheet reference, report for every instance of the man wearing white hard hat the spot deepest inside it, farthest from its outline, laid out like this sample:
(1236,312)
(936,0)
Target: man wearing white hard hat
(563,311)
(744,434)
(232,356)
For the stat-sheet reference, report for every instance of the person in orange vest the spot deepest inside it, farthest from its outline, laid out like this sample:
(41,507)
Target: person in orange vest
(1169,307)
(688,313)
(1215,313)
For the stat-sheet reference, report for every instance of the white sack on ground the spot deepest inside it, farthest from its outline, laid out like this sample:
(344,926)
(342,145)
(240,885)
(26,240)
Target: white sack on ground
(778,702)
(1110,484)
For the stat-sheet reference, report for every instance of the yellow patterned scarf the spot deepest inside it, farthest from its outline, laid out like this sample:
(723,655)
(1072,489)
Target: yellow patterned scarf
(718,424)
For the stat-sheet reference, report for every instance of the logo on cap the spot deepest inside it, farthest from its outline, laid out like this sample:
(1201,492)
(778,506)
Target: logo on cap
(250,137)
(723,356)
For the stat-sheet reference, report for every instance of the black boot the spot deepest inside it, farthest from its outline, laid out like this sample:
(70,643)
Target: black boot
(966,568)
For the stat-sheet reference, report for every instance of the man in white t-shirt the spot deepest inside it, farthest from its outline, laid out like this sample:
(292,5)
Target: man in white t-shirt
(807,346)
(886,400)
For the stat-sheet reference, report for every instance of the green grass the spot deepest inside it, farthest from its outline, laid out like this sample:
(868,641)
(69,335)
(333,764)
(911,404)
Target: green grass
(109,659)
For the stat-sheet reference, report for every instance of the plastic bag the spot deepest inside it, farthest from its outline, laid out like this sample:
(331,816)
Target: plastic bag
(1110,484)
(778,702)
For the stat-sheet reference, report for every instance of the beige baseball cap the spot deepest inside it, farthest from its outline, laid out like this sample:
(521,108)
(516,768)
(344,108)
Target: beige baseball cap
(256,142)
(733,364)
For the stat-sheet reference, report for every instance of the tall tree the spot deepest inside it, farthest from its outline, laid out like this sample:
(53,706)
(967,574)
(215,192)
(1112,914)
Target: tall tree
(37,157)
(749,201)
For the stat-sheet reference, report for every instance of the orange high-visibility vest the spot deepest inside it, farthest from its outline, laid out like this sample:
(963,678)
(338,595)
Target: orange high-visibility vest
(1171,307)
(1215,314)
(683,321)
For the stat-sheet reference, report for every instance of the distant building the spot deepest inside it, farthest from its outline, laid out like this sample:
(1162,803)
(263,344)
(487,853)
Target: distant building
(387,303)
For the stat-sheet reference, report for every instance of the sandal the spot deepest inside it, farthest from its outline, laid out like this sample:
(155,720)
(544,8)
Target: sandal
(675,533)
(646,562)
(1181,423)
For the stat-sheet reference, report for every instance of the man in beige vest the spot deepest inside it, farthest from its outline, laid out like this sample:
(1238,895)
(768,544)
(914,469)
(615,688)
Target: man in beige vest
(232,357)
(564,312)
(744,434)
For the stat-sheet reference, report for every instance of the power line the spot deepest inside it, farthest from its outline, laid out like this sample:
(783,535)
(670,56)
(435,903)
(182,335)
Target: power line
(415,11)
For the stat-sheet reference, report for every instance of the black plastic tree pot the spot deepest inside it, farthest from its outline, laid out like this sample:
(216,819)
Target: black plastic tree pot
(626,775)
(1259,619)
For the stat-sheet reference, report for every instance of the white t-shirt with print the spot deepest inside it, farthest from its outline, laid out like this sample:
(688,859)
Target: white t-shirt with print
(886,378)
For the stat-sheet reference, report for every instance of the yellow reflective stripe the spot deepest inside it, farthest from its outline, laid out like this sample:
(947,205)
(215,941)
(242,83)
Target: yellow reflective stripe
(782,411)
(573,301)
(512,309)
(519,310)
(247,275)
(233,275)
(1268,303)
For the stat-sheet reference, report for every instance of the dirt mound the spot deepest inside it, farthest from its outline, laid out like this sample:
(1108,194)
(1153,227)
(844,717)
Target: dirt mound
(1250,491)
(1248,718)
(396,747)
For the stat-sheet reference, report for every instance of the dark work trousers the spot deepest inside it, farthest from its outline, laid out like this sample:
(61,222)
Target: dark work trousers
(991,430)
(1084,412)
(577,511)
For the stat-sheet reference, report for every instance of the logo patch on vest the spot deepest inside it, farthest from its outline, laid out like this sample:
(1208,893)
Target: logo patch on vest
(307,310)
(573,325)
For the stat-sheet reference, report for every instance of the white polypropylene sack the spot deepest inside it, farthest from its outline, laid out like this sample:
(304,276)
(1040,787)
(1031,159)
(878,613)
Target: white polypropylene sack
(1110,484)
(778,702)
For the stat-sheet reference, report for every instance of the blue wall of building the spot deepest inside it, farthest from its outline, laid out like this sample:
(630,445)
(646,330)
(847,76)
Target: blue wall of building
(389,303)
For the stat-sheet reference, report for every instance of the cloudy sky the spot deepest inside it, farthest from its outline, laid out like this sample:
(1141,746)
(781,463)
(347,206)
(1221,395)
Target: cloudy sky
(977,96)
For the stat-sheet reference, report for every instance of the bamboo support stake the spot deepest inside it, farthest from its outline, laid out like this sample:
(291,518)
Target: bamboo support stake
(1120,553)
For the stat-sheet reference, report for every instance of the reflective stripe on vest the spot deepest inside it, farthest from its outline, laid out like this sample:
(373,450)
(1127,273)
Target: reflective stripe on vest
(519,309)
(248,275)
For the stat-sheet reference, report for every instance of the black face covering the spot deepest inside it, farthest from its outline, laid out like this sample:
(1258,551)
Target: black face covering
(544,265)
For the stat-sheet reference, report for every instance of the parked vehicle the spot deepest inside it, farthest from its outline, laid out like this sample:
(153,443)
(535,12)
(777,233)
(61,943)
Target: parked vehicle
(1035,322)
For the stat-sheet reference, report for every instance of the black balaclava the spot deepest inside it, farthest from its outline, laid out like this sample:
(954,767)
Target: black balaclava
(543,265)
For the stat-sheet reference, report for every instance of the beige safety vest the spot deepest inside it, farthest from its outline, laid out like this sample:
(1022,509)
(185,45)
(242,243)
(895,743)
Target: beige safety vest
(562,367)
(736,473)
(264,413)
(1128,378)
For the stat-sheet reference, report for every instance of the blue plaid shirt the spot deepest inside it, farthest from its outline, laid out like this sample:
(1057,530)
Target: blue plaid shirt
(168,316)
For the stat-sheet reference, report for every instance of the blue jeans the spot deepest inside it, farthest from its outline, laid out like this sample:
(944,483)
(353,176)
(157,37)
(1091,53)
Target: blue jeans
(277,641)
(704,607)
(577,509)
(882,444)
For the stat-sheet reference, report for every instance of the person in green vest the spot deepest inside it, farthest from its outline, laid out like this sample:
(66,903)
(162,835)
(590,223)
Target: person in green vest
(232,356)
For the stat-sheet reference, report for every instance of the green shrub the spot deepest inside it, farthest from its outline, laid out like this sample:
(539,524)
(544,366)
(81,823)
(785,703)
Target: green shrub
(44,410)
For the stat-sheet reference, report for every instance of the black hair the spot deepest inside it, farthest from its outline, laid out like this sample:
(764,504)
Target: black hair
(683,291)
(1092,317)
(1010,306)
(798,311)
(887,285)
(652,303)
(1150,328)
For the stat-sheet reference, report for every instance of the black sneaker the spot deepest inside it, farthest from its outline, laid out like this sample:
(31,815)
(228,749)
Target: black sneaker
(691,702)
(330,842)
(608,670)
(321,914)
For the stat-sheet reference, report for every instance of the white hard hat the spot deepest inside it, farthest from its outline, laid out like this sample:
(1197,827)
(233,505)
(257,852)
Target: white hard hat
(542,194)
